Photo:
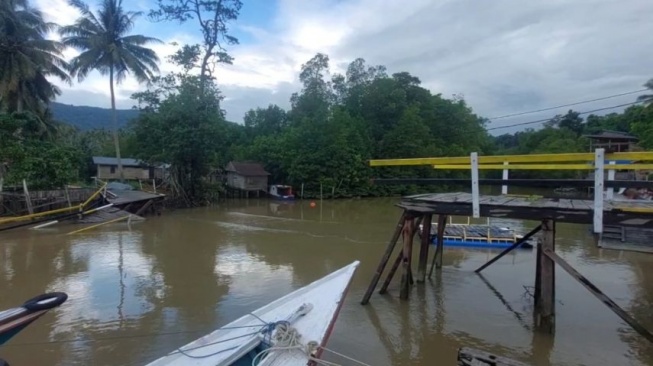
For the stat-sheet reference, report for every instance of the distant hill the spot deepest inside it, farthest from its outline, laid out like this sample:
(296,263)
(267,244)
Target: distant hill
(88,118)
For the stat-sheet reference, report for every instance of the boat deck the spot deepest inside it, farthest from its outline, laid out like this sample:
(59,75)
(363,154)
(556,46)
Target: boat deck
(473,231)
(633,213)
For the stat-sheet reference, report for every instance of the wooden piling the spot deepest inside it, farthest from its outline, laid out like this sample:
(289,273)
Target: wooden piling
(439,250)
(437,257)
(545,280)
(424,249)
(393,270)
(406,274)
(384,259)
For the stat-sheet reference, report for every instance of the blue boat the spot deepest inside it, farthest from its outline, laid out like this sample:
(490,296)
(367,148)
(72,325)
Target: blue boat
(12,321)
(479,236)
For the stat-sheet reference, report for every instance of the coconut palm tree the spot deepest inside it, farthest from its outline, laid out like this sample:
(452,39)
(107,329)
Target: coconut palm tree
(106,46)
(27,58)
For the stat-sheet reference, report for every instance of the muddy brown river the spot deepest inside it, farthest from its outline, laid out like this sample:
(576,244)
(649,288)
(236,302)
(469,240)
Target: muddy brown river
(138,292)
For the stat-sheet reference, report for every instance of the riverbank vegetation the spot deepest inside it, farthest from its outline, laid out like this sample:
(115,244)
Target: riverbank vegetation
(336,122)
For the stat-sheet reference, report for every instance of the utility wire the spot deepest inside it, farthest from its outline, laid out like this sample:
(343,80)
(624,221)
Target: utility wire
(548,119)
(569,105)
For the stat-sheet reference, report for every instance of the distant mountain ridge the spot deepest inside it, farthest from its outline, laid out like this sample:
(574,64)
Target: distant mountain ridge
(88,118)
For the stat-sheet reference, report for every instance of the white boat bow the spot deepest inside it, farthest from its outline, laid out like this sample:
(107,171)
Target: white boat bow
(288,331)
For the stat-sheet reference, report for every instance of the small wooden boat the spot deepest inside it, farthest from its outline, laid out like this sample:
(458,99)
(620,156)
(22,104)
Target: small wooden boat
(12,321)
(291,331)
(478,236)
(281,192)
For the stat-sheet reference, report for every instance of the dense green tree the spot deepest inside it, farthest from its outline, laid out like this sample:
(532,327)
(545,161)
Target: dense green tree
(107,46)
(182,124)
(34,155)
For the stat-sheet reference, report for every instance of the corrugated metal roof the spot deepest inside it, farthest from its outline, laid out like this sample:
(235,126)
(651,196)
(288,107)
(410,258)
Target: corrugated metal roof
(248,169)
(104,160)
(615,135)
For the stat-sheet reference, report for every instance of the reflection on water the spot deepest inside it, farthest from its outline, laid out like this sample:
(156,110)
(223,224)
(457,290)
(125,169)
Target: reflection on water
(139,292)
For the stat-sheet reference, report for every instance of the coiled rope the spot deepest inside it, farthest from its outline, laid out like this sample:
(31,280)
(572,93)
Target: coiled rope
(287,338)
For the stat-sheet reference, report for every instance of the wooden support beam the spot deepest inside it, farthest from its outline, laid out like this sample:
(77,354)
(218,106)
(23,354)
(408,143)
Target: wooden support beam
(144,207)
(393,270)
(406,275)
(509,249)
(384,259)
(599,295)
(424,249)
(545,280)
(439,248)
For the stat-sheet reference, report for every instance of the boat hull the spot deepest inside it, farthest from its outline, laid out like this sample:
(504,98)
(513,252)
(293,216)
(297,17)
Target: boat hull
(237,343)
(481,244)
(13,321)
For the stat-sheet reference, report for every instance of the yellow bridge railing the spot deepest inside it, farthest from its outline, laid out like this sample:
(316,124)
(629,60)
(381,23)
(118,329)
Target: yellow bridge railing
(598,161)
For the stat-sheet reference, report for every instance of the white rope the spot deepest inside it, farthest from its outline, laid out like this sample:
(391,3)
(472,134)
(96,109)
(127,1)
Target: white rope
(287,338)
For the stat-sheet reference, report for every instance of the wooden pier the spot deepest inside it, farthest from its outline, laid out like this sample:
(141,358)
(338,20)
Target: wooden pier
(547,211)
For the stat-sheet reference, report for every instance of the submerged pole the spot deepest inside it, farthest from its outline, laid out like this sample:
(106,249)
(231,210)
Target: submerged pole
(545,280)
(406,276)
(424,249)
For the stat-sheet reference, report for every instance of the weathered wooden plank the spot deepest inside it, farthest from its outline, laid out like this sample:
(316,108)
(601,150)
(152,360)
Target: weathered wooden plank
(474,357)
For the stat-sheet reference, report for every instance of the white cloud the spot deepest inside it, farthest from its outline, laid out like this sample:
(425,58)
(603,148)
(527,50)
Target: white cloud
(503,56)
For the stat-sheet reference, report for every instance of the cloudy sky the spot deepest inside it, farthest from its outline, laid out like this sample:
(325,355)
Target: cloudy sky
(503,56)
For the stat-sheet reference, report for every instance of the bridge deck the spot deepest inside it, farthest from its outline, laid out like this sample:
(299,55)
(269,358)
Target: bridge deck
(626,213)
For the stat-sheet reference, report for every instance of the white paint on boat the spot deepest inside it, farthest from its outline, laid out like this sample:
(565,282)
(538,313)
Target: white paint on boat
(324,295)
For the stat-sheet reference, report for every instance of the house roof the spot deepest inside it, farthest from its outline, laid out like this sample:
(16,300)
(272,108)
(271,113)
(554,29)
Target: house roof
(248,169)
(105,160)
(613,135)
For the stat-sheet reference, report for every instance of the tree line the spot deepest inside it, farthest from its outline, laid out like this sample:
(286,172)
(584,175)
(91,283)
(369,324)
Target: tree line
(335,124)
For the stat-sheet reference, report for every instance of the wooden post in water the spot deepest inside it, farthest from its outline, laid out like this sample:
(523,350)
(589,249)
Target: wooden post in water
(406,276)
(545,280)
(424,249)
(384,259)
(28,199)
(65,187)
(437,257)
(393,270)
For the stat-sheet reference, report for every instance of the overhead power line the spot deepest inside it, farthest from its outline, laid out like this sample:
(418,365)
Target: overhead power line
(548,119)
(569,105)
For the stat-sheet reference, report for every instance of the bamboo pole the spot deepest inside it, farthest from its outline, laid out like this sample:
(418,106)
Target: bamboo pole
(28,199)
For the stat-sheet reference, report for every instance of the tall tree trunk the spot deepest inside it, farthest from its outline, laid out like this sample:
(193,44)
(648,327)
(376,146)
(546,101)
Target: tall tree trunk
(114,122)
